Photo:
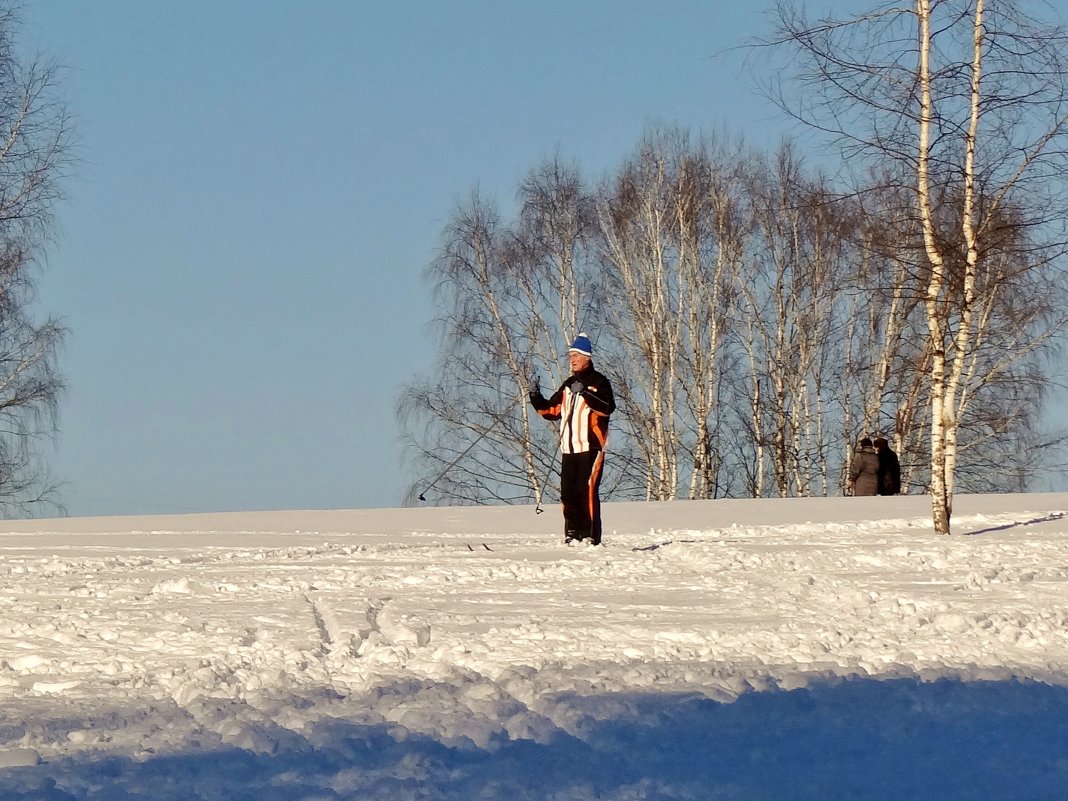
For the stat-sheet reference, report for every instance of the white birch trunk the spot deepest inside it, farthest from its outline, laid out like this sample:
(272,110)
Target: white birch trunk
(934,303)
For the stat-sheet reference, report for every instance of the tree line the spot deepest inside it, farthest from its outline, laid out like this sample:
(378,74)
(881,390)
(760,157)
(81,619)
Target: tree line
(755,323)
(758,314)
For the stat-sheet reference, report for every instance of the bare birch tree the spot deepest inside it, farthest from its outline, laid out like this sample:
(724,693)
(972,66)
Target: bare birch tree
(671,238)
(965,101)
(889,352)
(35,152)
(711,231)
(634,215)
(509,301)
(460,415)
(799,271)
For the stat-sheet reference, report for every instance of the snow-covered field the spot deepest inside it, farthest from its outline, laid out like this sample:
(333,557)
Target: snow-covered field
(789,649)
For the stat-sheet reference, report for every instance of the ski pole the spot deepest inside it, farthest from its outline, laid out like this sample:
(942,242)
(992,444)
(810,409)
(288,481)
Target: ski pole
(541,491)
(497,419)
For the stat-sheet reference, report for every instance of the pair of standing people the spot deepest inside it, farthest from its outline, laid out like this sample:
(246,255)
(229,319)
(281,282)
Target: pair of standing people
(582,404)
(875,469)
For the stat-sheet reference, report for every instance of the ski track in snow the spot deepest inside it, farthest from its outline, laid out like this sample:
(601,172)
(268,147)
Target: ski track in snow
(748,660)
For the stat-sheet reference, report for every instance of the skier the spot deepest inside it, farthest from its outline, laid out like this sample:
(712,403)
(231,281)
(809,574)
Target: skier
(864,470)
(582,404)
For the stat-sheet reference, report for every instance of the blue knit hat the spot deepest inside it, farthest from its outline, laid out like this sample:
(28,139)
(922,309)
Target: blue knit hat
(581,345)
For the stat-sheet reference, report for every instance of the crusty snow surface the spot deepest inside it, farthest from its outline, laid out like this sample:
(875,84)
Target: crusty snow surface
(776,649)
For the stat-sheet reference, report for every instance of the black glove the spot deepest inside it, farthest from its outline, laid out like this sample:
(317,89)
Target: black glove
(535,386)
(577,387)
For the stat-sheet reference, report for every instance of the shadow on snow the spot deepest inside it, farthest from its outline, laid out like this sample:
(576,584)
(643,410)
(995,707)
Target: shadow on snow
(854,739)
(1052,516)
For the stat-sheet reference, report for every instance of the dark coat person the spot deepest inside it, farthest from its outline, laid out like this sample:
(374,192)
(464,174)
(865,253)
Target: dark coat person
(889,468)
(582,404)
(864,469)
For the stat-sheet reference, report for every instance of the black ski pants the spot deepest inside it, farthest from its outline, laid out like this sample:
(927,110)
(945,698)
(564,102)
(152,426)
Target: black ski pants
(580,483)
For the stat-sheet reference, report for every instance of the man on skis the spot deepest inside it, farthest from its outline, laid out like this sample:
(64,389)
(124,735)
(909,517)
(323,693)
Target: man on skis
(582,405)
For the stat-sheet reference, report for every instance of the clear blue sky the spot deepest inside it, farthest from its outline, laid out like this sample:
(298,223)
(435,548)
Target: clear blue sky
(261,184)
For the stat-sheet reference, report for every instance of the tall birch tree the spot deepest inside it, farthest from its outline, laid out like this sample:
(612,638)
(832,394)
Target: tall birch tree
(672,235)
(965,102)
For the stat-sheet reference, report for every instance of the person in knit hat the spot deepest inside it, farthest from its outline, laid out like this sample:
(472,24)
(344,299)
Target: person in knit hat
(582,404)
(864,470)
